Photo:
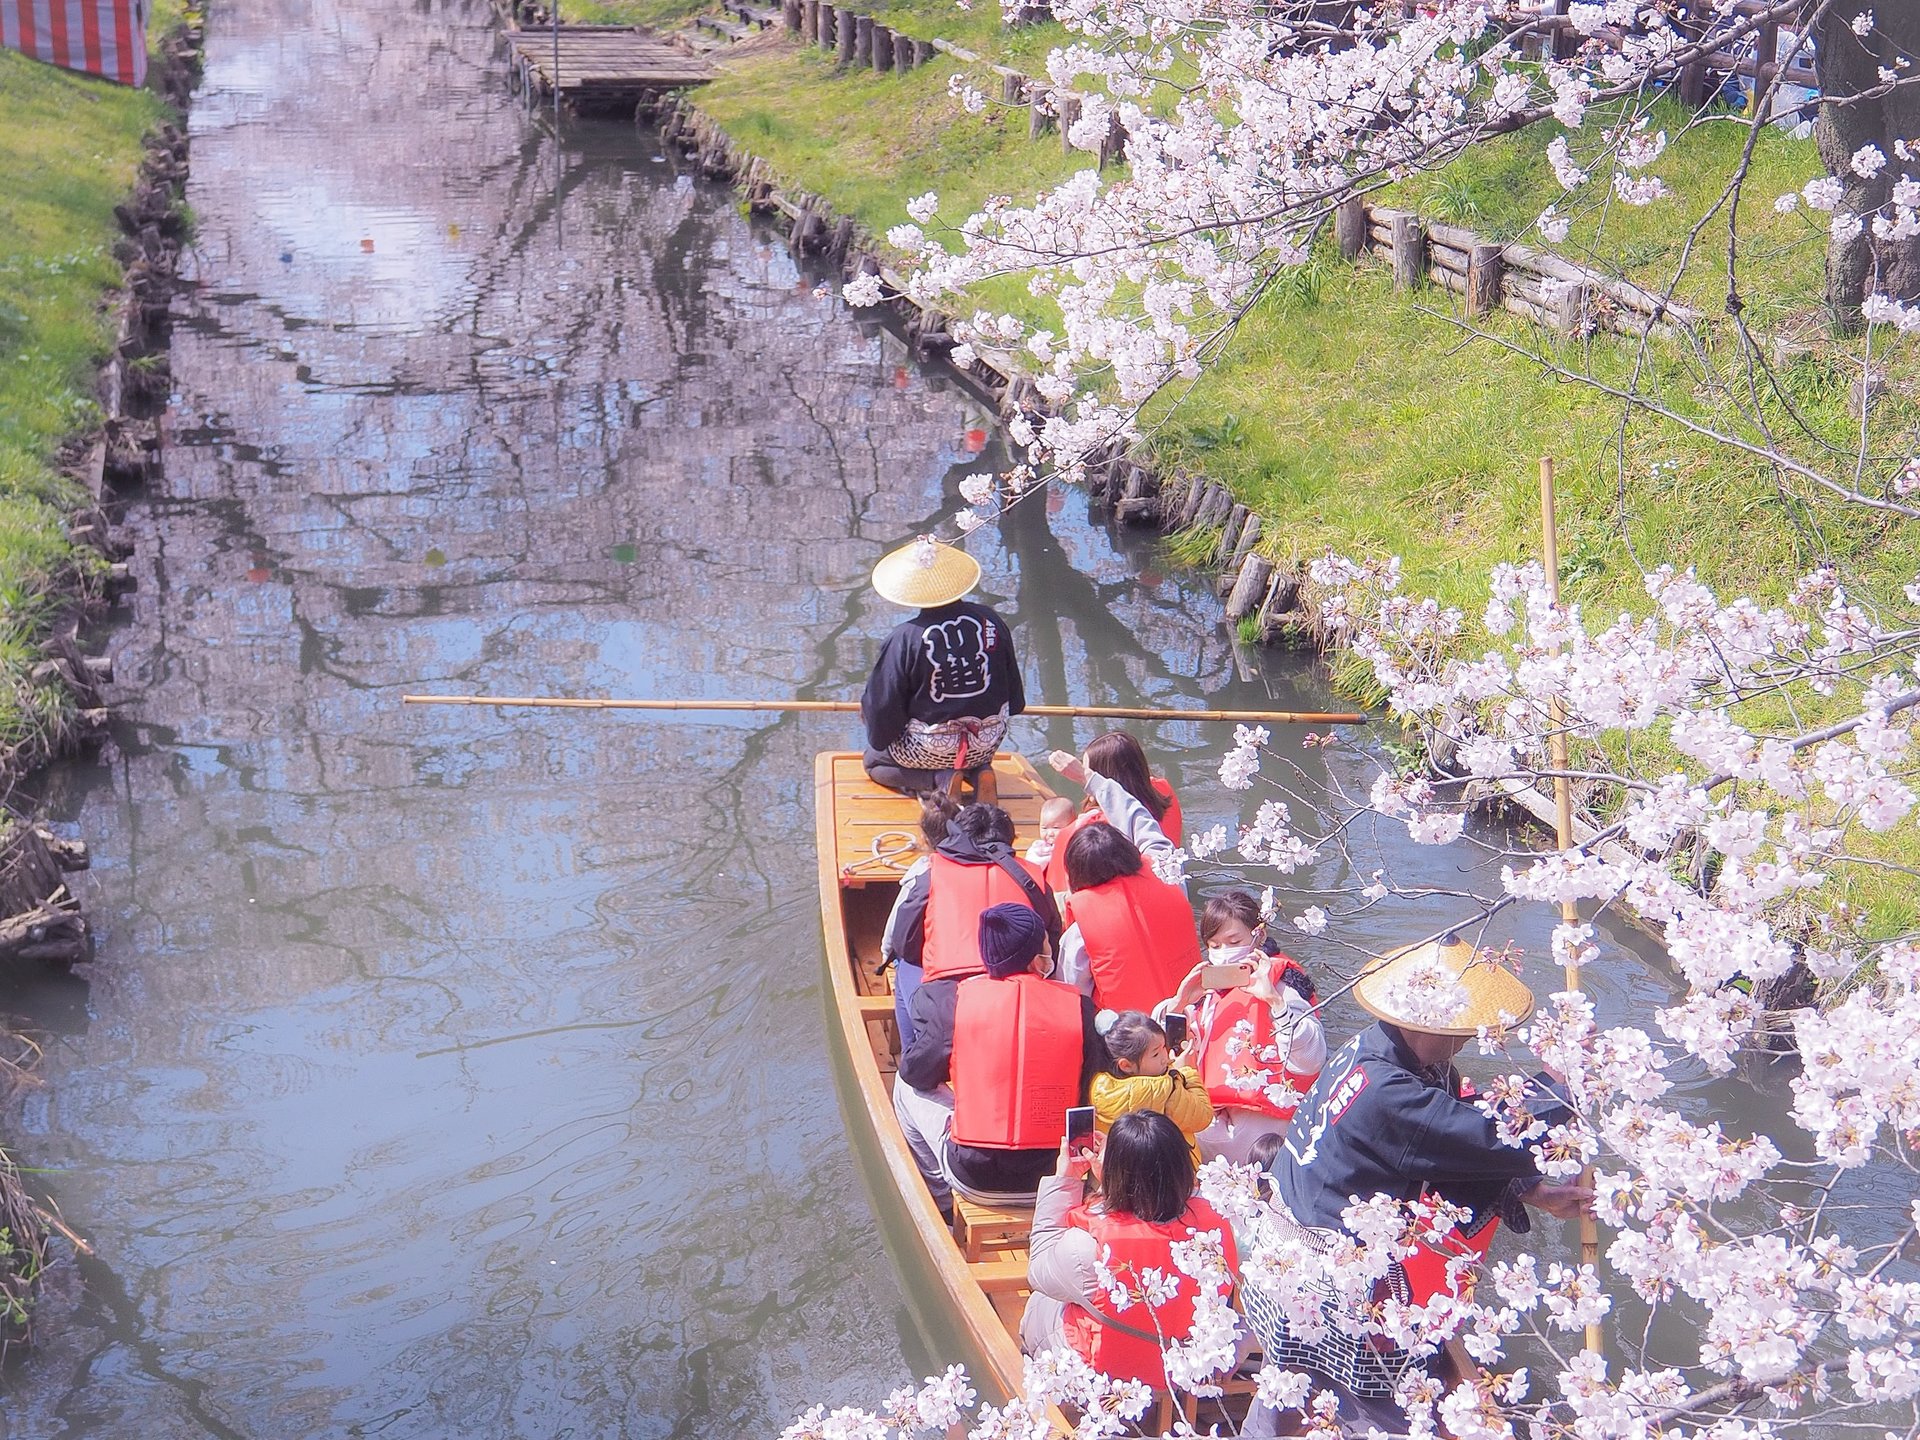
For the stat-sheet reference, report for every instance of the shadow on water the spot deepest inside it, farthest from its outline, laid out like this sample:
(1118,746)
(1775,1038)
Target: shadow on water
(452,1072)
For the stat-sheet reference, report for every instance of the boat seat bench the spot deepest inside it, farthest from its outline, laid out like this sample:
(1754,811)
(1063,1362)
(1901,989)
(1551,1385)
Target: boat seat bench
(985,1229)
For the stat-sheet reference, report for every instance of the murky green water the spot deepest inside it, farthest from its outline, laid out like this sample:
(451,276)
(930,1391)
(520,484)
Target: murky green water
(452,1073)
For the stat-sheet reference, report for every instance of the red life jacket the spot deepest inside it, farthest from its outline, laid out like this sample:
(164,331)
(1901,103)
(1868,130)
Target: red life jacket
(1426,1268)
(1140,936)
(957,894)
(1017,1047)
(1131,1246)
(1235,1021)
(1057,862)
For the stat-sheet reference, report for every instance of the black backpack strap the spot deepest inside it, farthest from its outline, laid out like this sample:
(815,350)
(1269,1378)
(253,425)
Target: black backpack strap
(1036,893)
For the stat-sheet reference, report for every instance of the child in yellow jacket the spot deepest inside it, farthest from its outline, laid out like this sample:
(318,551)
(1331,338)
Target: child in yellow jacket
(1145,1075)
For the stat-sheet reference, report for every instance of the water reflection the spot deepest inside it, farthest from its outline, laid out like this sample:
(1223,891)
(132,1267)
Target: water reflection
(452,1072)
(456,1072)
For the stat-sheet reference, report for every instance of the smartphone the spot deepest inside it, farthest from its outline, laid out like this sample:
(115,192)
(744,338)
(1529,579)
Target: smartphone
(1176,1028)
(1225,977)
(1080,1130)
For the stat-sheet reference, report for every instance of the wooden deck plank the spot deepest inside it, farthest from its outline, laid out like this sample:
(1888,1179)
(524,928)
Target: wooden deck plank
(607,59)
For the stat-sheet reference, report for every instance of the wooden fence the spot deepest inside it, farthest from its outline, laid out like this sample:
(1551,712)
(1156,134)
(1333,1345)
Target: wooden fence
(1513,277)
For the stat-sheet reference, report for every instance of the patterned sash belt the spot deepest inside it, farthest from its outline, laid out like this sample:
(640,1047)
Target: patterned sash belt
(967,743)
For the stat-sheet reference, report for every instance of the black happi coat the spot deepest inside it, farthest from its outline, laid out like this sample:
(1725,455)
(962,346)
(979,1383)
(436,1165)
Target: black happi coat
(947,663)
(1377,1123)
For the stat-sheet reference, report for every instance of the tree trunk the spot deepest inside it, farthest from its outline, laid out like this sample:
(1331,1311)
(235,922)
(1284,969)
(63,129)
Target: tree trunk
(1852,116)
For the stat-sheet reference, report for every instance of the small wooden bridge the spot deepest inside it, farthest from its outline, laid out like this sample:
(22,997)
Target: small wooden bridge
(601,66)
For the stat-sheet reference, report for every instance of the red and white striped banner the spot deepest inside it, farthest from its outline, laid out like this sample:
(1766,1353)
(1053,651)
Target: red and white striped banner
(97,37)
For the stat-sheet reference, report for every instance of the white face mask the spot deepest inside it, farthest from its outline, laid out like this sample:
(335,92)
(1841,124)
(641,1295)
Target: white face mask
(1230,954)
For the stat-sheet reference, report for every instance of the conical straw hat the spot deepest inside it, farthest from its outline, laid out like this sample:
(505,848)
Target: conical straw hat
(925,573)
(1492,995)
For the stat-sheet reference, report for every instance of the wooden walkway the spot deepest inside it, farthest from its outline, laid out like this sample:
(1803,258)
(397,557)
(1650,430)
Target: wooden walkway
(602,65)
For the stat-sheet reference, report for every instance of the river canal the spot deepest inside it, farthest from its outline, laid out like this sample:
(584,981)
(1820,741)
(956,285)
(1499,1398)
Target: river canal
(458,1073)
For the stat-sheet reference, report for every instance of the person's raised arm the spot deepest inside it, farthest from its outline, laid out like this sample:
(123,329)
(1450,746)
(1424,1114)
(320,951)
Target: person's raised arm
(1062,1259)
(1128,815)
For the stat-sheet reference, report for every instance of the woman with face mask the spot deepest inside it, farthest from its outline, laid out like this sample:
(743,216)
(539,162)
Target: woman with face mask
(1259,1045)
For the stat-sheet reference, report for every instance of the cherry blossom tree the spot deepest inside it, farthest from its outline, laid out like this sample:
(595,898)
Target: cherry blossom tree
(1247,124)
(1744,767)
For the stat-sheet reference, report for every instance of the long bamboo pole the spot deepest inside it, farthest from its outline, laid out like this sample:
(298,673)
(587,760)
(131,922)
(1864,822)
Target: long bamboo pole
(1563,825)
(1090,712)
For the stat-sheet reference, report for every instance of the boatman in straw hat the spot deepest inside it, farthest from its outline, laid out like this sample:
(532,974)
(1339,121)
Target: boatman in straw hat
(1386,1117)
(946,682)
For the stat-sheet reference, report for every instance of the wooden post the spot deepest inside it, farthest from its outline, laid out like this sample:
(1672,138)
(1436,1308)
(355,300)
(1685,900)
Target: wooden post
(1483,279)
(843,36)
(863,40)
(1114,146)
(1563,825)
(1765,61)
(882,47)
(825,37)
(1409,252)
(902,52)
(922,52)
(1563,42)
(1570,308)
(791,13)
(1350,227)
(1068,106)
(810,21)
(1012,89)
(1039,111)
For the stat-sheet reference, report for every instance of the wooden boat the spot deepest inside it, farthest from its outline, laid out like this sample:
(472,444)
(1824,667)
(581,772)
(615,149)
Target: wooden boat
(967,1282)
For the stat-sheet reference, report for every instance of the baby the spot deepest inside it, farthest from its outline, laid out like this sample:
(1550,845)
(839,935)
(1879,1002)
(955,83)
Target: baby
(1055,816)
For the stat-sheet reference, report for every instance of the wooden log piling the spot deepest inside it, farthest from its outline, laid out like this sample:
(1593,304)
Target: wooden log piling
(882,47)
(1067,106)
(1350,226)
(1484,268)
(1409,251)
(1250,587)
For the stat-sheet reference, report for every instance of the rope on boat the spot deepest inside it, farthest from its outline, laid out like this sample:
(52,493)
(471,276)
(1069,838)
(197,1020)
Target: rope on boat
(883,855)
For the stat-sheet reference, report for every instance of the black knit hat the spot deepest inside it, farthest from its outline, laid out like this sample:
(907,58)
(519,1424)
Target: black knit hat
(1010,936)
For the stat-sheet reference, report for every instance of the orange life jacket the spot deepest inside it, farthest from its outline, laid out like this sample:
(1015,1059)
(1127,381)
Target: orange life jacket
(1131,1246)
(1057,862)
(1235,1041)
(1017,1048)
(1140,936)
(957,894)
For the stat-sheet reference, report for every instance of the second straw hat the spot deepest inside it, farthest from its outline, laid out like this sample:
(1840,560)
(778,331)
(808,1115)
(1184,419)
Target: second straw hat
(925,573)
(1493,995)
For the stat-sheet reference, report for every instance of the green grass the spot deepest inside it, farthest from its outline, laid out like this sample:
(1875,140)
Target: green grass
(69,148)
(868,142)
(1358,422)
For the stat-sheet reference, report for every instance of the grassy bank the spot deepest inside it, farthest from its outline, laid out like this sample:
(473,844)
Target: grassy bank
(1360,419)
(69,149)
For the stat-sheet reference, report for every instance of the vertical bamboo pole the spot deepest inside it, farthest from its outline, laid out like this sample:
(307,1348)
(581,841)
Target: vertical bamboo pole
(1563,825)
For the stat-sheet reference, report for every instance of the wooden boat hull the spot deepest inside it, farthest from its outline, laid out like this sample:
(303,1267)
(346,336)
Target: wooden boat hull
(864,836)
